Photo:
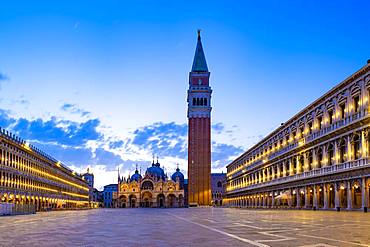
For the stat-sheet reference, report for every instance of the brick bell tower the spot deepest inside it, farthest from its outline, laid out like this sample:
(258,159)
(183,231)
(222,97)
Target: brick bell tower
(199,130)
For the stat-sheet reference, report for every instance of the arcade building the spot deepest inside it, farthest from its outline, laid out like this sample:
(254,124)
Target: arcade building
(32,178)
(153,190)
(318,159)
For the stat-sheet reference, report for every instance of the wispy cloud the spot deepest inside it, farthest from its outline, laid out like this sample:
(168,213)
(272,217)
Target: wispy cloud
(84,144)
(76,25)
(74,109)
(218,127)
(3,77)
(163,139)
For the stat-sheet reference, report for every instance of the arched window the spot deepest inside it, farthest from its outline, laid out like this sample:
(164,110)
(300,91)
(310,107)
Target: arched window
(201,101)
(205,101)
(198,103)
(147,185)
(310,160)
(310,128)
(342,108)
(301,160)
(330,154)
(356,102)
(194,101)
(219,184)
(319,122)
(319,158)
(330,114)
(342,151)
(356,147)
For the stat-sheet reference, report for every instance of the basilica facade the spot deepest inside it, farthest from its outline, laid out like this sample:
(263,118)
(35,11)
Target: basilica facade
(152,190)
(318,159)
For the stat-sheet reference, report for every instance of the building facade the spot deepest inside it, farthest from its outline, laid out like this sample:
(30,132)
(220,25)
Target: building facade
(199,130)
(218,188)
(153,190)
(108,195)
(89,178)
(29,176)
(318,159)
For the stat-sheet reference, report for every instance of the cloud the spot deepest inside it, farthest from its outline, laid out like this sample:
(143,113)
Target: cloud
(170,139)
(163,139)
(85,144)
(223,153)
(60,131)
(3,77)
(76,25)
(5,120)
(116,144)
(71,108)
(218,127)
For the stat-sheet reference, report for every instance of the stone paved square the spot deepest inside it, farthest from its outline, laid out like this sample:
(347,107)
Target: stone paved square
(187,227)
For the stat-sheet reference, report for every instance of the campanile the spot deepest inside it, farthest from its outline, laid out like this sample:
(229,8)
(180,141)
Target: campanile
(199,130)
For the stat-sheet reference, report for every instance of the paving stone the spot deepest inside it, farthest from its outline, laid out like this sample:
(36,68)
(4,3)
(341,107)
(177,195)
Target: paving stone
(187,227)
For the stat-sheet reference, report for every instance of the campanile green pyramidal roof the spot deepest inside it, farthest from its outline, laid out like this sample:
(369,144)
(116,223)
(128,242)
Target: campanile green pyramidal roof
(199,63)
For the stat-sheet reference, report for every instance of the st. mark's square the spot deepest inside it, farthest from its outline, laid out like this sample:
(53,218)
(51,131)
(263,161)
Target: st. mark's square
(184,123)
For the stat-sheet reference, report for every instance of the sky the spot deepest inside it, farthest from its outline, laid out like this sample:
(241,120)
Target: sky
(102,84)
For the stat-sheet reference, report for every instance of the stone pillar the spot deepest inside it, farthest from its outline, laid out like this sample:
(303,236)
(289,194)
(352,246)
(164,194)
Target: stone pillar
(268,174)
(363,145)
(290,199)
(306,197)
(291,172)
(273,172)
(264,175)
(315,203)
(260,176)
(299,165)
(314,158)
(364,194)
(305,161)
(298,195)
(325,188)
(349,149)
(284,168)
(336,194)
(278,171)
(349,195)
(336,152)
(272,200)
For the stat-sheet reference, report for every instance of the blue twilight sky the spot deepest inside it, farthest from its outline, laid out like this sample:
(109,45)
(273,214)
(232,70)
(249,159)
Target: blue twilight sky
(103,83)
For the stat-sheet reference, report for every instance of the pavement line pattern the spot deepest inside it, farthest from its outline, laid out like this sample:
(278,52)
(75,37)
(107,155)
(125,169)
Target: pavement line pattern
(330,239)
(279,237)
(222,232)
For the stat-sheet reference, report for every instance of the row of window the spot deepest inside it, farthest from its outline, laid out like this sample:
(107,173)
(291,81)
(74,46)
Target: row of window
(15,181)
(28,164)
(21,152)
(335,152)
(302,129)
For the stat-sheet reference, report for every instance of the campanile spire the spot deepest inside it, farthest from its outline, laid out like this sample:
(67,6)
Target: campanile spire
(199,62)
(199,129)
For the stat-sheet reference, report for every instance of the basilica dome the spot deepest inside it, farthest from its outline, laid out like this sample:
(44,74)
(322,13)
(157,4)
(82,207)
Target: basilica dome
(156,171)
(178,175)
(136,176)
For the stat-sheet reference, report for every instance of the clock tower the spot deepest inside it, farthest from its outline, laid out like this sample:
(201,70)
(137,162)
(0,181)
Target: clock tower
(199,130)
